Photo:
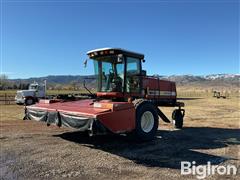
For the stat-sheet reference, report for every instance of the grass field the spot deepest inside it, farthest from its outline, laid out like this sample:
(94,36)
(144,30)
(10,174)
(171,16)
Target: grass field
(49,92)
(31,150)
(182,92)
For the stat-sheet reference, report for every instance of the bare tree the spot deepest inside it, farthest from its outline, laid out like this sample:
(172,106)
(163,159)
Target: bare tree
(3,81)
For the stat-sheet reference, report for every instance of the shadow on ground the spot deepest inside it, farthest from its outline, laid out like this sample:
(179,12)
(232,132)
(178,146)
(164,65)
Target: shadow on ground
(189,98)
(168,149)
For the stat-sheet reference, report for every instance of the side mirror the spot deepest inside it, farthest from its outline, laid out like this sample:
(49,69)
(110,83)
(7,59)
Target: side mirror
(120,58)
(85,63)
(144,73)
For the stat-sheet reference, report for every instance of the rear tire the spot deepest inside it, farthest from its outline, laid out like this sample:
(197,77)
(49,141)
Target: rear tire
(146,121)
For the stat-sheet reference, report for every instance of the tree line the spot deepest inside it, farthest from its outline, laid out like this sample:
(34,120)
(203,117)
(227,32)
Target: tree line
(6,84)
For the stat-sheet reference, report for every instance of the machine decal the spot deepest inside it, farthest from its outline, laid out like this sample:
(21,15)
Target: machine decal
(161,93)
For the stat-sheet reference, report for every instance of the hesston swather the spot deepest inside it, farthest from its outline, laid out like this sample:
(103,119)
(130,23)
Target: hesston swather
(126,101)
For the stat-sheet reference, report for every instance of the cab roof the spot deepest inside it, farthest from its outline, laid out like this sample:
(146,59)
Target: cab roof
(111,51)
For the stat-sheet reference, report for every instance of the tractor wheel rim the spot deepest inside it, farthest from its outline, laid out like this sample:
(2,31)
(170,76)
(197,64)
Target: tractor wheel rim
(147,121)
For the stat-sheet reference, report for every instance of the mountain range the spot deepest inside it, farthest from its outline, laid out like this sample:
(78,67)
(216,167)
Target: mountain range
(226,80)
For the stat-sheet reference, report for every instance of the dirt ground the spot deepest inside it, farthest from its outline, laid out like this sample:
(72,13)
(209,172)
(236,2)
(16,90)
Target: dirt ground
(31,150)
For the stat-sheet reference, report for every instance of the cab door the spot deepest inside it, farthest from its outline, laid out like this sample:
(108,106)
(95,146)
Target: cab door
(133,79)
(40,91)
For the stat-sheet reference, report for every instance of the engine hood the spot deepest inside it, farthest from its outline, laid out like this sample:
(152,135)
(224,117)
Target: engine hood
(26,92)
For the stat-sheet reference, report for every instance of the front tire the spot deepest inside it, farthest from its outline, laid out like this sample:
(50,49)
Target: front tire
(146,121)
(177,117)
(29,101)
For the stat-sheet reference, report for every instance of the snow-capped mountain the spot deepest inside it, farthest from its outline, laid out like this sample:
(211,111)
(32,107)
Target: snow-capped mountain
(221,76)
(226,80)
(190,77)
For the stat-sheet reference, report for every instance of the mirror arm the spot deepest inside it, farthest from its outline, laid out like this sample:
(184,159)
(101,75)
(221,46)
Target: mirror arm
(85,63)
(84,85)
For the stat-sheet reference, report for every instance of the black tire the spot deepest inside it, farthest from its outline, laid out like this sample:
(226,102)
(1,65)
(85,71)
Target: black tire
(29,101)
(145,107)
(177,117)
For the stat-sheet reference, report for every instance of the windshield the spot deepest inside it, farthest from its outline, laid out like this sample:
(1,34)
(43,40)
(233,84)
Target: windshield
(33,87)
(110,74)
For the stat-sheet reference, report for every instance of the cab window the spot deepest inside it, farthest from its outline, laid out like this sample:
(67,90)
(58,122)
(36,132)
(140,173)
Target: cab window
(132,72)
(33,87)
(133,66)
(40,88)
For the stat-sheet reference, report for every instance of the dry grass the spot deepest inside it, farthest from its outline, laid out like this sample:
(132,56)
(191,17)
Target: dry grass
(185,91)
(11,112)
(203,109)
(210,112)
(49,92)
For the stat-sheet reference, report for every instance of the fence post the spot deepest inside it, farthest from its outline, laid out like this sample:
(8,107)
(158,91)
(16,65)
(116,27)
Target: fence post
(5,98)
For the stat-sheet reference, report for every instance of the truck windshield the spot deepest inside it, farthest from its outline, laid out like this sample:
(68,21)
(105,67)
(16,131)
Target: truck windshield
(110,74)
(33,87)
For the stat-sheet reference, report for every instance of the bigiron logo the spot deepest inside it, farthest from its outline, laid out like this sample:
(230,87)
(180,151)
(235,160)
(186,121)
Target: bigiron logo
(202,171)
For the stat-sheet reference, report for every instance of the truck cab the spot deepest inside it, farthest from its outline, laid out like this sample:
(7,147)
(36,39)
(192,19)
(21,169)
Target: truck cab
(32,95)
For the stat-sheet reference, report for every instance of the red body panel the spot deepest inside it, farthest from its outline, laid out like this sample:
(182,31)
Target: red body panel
(110,94)
(116,116)
(152,88)
(82,107)
(119,121)
(157,88)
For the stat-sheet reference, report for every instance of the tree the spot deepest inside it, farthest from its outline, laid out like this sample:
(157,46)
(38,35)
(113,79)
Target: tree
(23,86)
(3,81)
(15,86)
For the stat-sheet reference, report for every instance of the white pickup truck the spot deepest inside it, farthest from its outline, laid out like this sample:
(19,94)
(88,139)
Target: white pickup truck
(32,95)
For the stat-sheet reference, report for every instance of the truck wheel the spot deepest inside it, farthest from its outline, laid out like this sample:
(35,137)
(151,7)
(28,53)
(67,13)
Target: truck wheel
(146,121)
(29,101)
(177,117)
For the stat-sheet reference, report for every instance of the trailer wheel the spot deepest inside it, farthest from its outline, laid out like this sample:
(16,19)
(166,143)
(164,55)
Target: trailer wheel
(29,101)
(146,121)
(177,116)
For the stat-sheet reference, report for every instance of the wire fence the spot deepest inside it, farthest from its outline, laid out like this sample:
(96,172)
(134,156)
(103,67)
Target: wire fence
(6,98)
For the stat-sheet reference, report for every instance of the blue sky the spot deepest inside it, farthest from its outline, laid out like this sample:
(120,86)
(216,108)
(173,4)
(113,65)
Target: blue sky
(40,38)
